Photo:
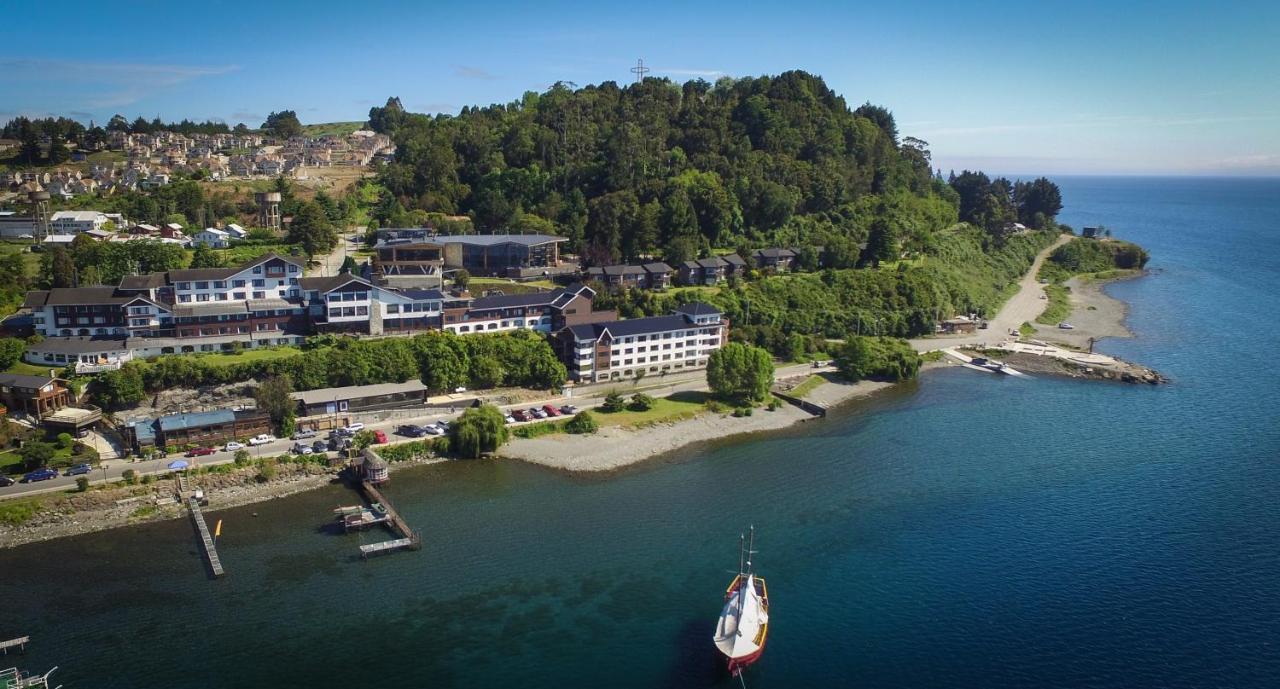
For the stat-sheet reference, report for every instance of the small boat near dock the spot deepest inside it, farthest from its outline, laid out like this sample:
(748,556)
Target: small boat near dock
(743,626)
(358,517)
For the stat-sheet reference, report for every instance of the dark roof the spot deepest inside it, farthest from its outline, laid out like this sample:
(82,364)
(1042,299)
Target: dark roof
(141,282)
(422,294)
(513,300)
(657,267)
(35,299)
(698,308)
(623,270)
(734,259)
(712,262)
(326,284)
(18,380)
(190,274)
(80,345)
(775,253)
(629,327)
(568,293)
(495,239)
(199,419)
(66,296)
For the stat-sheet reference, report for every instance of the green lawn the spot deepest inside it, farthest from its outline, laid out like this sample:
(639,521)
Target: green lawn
(480,285)
(1059,306)
(246,356)
(243,253)
(331,128)
(807,386)
(26,369)
(9,462)
(678,407)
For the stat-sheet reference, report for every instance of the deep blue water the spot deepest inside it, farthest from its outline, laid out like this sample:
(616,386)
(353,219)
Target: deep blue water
(963,531)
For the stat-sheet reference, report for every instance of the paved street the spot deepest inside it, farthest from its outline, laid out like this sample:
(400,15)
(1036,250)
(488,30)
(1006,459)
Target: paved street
(585,397)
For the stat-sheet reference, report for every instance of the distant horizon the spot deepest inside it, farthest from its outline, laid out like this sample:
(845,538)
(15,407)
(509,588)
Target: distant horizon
(1086,88)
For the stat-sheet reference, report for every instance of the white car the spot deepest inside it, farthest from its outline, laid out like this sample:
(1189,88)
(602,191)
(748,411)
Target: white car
(301,449)
(233,446)
(433,430)
(353,428)
(262,439)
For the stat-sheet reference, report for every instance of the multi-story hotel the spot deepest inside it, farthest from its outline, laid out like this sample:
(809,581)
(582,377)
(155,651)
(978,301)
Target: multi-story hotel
(618,349)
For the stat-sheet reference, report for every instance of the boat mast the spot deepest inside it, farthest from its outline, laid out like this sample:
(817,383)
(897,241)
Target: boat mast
(742,544)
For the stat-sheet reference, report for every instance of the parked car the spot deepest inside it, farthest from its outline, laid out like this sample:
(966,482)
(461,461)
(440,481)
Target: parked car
(319,446)
(302,449)
(353,428)
(5,482)
(379,437)
(550,410)
(411,431)
(200,451)
(40,475)
(568,409)
(521,415)
(537,413)
(442,425)
(232,447)
(1066,326)
(509,418)
(78,470)
(432,429)
(303,435)
(262,439)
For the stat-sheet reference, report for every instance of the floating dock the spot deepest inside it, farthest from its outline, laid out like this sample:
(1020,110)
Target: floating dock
(206,538)
(409,539)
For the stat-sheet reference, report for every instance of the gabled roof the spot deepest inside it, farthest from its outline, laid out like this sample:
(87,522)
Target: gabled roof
(657,267)
(81,345)
(629,327)
(70,296)
(19,380)
(506,301)
(734,259)
(141,282)
(774,253)
(422,294)
(199,419)
(712,262)
(698,308)
(330,283)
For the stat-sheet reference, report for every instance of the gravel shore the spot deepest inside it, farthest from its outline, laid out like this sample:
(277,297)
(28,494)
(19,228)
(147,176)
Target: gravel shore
(615,447)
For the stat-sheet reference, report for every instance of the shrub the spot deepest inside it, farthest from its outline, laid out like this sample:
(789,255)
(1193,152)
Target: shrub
(878,357)
(774,404)
(65,440)
(613,402)
(715,406)
(147,478)
(266,470)
(582,423)
(534,430)
(82,484)
(130,477)
(242,457)
(742,411)
(641,402)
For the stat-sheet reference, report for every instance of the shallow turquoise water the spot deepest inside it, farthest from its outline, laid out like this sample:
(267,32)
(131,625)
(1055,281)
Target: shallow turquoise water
(965,531)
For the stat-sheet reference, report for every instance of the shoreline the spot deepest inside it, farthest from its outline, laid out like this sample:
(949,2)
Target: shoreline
(626,447)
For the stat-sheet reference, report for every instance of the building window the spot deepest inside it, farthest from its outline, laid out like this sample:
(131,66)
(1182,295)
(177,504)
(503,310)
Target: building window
(219,284)
(259,295)
(259,283)
(362,310)
(184,285)
(202,297)
(237,295)
(202,285)
(393,308)
(237,283)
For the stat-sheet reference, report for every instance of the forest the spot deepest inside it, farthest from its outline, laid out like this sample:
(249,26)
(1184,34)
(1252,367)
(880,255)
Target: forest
(676,171)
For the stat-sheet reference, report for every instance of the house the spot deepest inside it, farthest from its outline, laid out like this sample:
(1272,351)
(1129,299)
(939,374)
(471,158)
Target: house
(619,277)
(201,428)
(35,396)
(618,349)
(328,401)
(735,265)
(959,325)
(658,275)
(74,222)
(212,238)
(704,271)
(1090,233)
(416,249)
(541,311)
(774,259)
(234,231)
(347,303)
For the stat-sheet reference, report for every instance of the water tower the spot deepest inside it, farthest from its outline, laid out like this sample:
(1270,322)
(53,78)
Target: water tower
(268,209)
(40,212)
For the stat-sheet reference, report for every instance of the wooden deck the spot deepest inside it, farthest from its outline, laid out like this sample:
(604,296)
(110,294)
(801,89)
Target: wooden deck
(386,546)
(19,643)
(206,538)
(409,539)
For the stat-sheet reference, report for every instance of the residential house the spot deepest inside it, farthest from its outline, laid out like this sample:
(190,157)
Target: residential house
(35,396)
(704,271)
(211,237)
(774,259)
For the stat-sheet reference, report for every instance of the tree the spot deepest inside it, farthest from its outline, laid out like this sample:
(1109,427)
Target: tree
(582,423)
(82,484)
(1038,202)
(242,457)
(283,124)
(312,230)
(11,350)
(641,402)
(486,372)
(121,388)
(461,278)
(205,257)
(65,441)
(877,357)
(274,397)
(63,269)
(613,402)
(856,360)
(349,265)
(58,153)
(480,430)
(35,454)
(740,372)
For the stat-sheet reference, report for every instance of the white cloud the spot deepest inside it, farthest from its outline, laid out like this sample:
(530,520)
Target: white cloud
(469,72)
(106,84)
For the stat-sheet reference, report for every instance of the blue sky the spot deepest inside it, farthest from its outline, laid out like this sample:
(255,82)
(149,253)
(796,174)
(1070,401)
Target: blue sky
(1174,87)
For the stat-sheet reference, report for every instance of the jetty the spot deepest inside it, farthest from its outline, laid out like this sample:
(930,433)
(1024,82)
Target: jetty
(13,678)
(206,538)
(370,472)
(19,643)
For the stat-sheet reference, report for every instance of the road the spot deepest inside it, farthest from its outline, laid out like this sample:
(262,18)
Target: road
(331,262)
(585,397)
(1023,307)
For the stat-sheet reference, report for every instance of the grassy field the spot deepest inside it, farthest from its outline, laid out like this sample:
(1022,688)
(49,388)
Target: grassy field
(678,407)
(23,368)
(248,355)
(331,128)
(18,246)
(807,386)
(17,512)
(1059,305)
(481,285)
(243,253)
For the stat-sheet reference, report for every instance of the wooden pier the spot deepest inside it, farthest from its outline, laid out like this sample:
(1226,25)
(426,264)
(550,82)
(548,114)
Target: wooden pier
(409,539)
(206,539)
(19,643)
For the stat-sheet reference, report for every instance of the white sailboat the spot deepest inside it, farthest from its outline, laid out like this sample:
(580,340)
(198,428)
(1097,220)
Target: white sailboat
(743,626)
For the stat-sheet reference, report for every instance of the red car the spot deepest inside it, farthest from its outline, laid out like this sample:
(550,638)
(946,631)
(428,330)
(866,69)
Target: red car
(550,410)
(521,415)
(379,437)
(201,451)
